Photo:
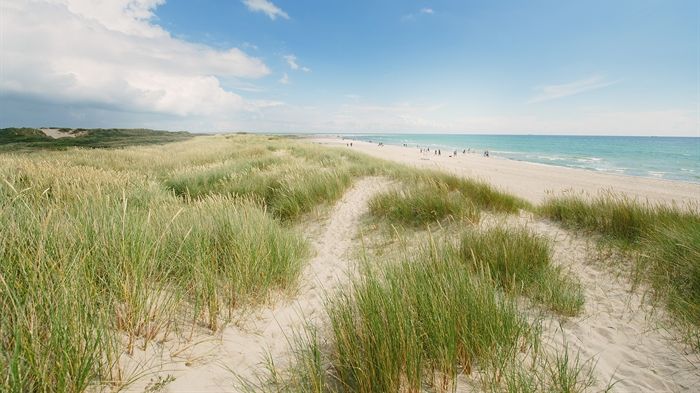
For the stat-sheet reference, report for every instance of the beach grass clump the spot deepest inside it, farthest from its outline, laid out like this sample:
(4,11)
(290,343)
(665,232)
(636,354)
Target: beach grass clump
(521,262)
(617,218)
(482,194)
(664,242)
(399,328)
(422,204)
(670,262)
(225,254)
(416,325)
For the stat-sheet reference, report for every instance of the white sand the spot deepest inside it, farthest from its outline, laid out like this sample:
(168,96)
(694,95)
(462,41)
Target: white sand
(618,329)
(529,180)
(56,133)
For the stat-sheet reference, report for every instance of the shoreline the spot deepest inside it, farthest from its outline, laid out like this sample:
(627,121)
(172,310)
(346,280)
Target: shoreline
(529,180)
(503,154)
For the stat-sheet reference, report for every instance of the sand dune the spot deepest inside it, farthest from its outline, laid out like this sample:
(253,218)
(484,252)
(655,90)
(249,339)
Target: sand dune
(616,329)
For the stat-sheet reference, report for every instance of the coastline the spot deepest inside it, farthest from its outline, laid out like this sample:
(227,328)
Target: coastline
(532,181)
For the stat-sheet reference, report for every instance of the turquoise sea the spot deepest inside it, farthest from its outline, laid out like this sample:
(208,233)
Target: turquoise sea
(676,158)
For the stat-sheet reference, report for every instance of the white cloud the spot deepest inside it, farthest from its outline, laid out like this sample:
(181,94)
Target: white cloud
(285,79)
(553,92)
(293,64)
(109,54)
(266,7)
(412,16)
(248,45)
(292,61)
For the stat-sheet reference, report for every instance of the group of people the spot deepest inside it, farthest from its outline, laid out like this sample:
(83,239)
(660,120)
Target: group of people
(437,152)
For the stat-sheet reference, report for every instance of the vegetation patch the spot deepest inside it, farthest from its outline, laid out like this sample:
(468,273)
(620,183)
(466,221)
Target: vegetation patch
(664,242)
(416,325)
(480,193)
(27,139)
(521,263)
(422,204)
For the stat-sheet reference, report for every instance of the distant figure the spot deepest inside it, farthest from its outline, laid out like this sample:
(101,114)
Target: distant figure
(464,151)
(486,153)
(439,152)
(350,144)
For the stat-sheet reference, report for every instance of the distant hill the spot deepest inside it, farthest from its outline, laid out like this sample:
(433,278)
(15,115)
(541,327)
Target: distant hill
(18,139)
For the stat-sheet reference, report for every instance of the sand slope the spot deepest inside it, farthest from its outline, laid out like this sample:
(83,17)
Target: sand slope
(617,327)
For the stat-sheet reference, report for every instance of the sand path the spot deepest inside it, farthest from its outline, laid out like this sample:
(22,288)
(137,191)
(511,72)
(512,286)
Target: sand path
(616,328)
(243,348)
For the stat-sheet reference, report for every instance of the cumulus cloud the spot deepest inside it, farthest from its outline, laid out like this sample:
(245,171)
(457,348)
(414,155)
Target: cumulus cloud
(553,92)
(110,54)
(266,7)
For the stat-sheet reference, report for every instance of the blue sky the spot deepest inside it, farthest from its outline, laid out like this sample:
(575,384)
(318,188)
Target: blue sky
(543,67)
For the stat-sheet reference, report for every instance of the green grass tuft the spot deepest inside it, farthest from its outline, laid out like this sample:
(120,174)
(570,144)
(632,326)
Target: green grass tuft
(520,262)
(423,204)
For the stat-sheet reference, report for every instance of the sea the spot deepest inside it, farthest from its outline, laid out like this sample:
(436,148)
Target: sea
(674,158)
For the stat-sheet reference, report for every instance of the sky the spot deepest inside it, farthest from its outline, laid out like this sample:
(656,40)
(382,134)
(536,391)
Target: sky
(332,66)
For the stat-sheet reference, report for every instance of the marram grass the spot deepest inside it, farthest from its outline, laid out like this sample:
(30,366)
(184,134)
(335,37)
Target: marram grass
(520,262)
(422,204)
(419,323)
(664,242)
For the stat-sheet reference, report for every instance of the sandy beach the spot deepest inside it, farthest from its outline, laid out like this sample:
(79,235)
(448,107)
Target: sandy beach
(529,180)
